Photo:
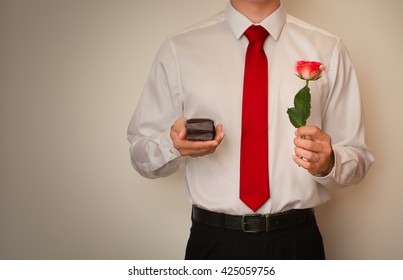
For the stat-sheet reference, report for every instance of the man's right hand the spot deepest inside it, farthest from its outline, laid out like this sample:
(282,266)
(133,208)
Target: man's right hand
(194,148)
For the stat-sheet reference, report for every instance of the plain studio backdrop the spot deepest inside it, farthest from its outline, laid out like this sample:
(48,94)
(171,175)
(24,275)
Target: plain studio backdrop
(71,73)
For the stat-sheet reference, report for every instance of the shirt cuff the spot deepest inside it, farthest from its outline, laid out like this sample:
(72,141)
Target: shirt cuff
(167,147)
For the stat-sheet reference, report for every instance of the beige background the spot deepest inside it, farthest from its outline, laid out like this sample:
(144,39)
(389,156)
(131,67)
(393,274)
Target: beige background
(71,72)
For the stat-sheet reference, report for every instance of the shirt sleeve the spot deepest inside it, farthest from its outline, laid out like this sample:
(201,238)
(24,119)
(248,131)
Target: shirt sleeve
(151,149)
(343,121)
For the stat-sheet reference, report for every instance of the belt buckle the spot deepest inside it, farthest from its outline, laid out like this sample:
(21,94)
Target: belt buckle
(244,223)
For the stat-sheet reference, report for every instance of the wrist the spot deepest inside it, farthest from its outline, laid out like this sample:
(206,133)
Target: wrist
(330,166)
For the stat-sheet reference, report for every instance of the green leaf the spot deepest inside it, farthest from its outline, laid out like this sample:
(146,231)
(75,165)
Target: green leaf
(296,117)
(302,110)
(303,102)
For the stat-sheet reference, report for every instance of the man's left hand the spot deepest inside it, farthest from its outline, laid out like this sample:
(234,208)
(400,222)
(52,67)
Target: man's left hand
(313,150)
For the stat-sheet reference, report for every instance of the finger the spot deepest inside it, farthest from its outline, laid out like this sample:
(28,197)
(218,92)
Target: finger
(197,148)
(301,162)
(305,154)
(219,134)
(179,125)
(308,132)
(182,135)
(307,144)
(312,168)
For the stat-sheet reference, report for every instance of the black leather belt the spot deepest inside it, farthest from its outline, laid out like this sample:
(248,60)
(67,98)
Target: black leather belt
(253,223)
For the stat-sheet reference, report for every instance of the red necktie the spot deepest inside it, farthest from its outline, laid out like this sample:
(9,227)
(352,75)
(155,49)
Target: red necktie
(254,177)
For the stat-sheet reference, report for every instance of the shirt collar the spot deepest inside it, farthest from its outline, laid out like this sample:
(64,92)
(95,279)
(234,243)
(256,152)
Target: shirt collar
(238,23)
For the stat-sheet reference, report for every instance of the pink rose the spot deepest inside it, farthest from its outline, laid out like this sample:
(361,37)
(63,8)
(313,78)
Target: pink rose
(309,70)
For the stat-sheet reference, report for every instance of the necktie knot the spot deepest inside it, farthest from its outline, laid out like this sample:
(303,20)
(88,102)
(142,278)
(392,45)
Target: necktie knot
(256,33)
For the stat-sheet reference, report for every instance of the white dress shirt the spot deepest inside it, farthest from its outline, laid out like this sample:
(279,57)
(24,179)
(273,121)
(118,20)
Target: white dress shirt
(199,73)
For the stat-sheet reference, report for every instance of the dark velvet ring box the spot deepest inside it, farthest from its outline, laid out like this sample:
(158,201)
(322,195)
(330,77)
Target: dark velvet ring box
(200,130)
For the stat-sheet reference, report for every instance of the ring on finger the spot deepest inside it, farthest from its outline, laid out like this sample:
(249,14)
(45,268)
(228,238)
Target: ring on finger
(304,159)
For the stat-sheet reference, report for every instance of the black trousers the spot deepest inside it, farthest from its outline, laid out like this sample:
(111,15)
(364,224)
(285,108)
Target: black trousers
(303,242)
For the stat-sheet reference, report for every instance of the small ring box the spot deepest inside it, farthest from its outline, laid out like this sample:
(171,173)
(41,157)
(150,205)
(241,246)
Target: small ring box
(200,130)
